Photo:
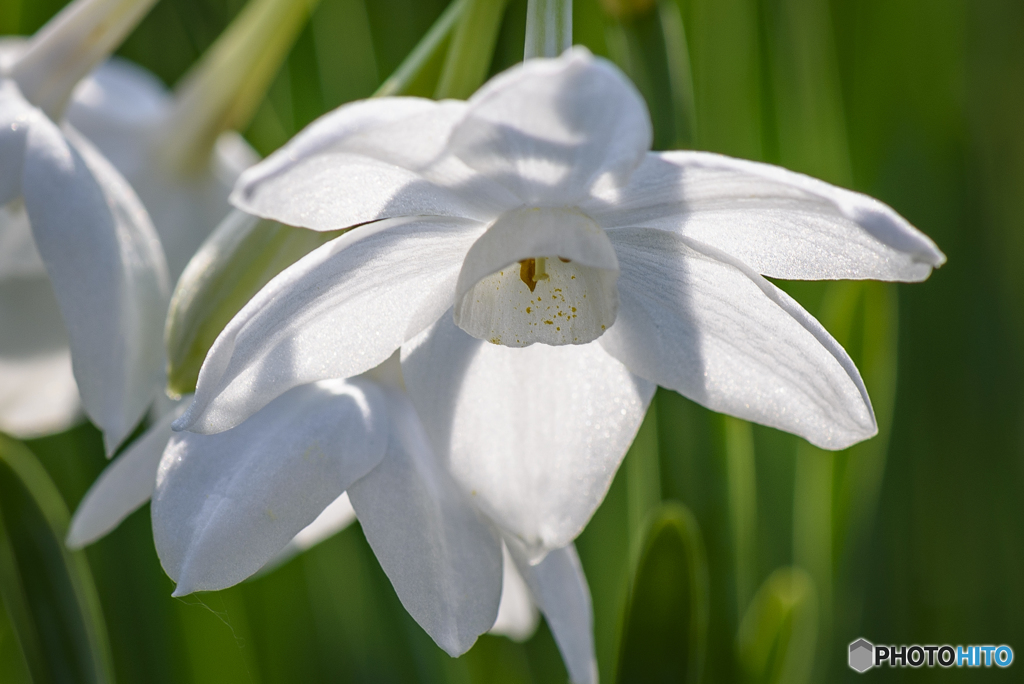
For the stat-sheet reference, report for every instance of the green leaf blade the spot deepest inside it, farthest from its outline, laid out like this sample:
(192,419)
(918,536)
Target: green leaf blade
(47,590)
(665,624)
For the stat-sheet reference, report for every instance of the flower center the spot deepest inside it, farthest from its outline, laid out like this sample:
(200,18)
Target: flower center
(539,275)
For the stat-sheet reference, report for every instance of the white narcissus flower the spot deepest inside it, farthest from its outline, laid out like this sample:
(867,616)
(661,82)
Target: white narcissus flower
(541,272)
(81,244)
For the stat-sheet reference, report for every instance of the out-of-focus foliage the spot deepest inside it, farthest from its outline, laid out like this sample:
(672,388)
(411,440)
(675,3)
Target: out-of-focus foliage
(664,625)
(52,626)
(914,537)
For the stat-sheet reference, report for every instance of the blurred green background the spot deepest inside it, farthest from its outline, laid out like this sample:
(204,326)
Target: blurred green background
(723,553)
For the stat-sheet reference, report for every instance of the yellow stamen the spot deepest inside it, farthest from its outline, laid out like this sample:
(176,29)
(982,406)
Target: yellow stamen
(531,271)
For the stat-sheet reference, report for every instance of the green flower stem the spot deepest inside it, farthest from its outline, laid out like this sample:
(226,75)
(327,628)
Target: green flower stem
(471,49)
(738,441)
(548,28)
(643,478)
(432,43)
(224,89)
(67,48)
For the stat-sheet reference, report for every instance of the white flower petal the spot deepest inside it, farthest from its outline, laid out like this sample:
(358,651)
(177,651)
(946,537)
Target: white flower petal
(226,504)
(442,558)
(781,224)
(108,273)
(698,321)
(117,93)
(518,616)
(369,160)
(547,129)
(337,312)
(38,394)
(533,435)
(560,589)
(505,302)
(126,484)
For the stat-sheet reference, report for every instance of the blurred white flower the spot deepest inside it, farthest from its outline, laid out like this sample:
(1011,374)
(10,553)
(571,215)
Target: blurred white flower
(176,152)
(534,213)
(226,505)
(78,246)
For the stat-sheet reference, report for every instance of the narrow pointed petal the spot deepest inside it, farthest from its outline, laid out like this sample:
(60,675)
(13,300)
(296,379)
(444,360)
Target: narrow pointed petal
(534,435)
(38,393)
(81,36)
(695,320)
(126,484)
(547,129)
(560,589)
(226,504)
(442,558)
(380,158)
(781,224)
(108,273)
(518,616)
(337,312)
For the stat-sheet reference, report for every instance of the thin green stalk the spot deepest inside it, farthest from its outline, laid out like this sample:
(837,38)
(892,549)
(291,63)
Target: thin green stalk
(67,48)
(471,50)
(548,28)
(224,89)
(679,71)
(738,440)
(425,51)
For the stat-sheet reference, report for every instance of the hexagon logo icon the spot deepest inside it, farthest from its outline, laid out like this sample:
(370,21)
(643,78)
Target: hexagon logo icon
(862,655)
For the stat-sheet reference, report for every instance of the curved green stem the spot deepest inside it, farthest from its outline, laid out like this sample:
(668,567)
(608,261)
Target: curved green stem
(471,50)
